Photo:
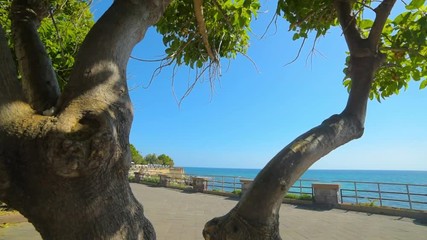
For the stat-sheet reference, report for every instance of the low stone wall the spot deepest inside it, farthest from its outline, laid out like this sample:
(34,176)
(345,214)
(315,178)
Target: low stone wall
(154,170)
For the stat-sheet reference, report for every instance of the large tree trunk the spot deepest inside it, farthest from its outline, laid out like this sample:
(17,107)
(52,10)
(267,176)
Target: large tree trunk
(64,158)
(256,216)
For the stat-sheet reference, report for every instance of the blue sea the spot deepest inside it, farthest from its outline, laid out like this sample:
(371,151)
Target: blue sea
(417,179)
(410,177)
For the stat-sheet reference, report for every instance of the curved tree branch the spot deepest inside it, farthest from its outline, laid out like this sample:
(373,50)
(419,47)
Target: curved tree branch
(348,24)
(9,84)
(96,102)
(38,77)
(99,71)
(259,206)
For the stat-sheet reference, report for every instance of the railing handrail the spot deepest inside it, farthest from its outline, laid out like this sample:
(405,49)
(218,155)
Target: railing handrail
(387,192)
(384,183)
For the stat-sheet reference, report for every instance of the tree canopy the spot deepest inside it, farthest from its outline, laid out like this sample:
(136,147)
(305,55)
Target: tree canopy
(137,158)
(150,158)
(403,38)
(227,24)
(162,159)
(165,160)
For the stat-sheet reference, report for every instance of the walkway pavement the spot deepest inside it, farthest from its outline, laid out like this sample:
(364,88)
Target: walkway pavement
(181,216)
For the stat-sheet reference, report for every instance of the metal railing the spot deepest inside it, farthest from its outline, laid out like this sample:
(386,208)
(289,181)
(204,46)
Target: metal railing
(223,183)
(232,183)
(400,195)
(302,187)
(412,196)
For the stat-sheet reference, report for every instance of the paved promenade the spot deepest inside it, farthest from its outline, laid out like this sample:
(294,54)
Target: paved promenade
(181,216)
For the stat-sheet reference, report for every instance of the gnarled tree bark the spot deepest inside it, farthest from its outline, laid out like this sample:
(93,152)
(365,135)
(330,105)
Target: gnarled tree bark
(67,173)
(38,77)
(256,216)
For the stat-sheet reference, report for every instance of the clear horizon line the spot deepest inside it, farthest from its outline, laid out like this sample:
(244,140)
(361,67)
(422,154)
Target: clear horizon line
(327,169)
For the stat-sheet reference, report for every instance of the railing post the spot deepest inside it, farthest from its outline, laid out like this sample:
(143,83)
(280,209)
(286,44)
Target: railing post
(138,177)
(222,183)
(200,184)
(207,184)
(164,180)
(300,187)
(355,192)
(379,195)
(409,196)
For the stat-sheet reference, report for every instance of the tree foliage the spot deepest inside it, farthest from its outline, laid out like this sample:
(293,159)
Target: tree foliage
(137,158)
(404,43)
(165,160)
(403,39)
(162,159)
(227,23)
(151,158)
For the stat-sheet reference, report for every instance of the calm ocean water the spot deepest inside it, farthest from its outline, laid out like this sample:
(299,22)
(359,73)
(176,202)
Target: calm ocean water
(410,177)
(327,176)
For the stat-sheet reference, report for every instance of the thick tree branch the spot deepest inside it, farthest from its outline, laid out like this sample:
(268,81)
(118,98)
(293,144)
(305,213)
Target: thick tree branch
(95,103)
(99,74)
(362,71)
(201,26)
(365,59)
(348,24)
(259,207)
(293,161)
(9,84)
(38,77)
(382,12)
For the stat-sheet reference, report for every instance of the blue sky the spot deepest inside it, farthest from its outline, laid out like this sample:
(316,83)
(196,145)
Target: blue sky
(254,112)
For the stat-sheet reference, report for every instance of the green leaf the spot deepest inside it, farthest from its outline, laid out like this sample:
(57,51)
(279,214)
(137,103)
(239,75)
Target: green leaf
(416,75)
(415,4)
(402,17)
(423,84)
(296,36)
(366,23)
(199,64)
